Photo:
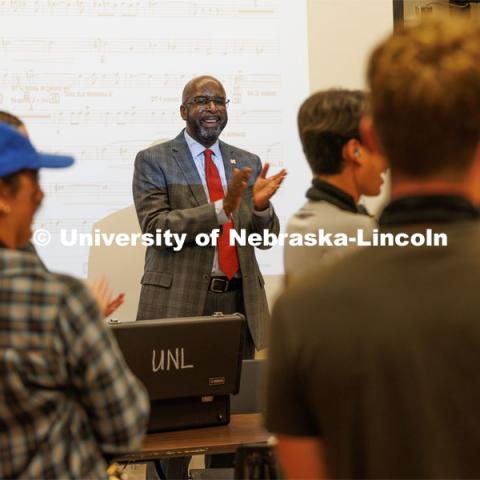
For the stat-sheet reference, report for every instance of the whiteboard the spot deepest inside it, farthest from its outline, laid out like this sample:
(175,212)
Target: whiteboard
(102,80)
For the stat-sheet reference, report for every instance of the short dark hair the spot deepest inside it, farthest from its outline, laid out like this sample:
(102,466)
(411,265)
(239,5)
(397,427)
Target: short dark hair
(10,119)
(326,121)
(425,84)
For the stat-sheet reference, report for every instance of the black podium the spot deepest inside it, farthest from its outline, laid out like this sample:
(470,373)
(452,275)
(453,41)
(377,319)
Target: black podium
(189,366)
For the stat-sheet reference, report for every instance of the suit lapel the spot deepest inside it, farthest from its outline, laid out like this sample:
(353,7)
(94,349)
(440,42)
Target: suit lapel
(228,154)
(185,163)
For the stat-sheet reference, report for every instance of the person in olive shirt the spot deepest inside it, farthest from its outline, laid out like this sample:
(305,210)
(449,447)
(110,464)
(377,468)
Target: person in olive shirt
(374,362)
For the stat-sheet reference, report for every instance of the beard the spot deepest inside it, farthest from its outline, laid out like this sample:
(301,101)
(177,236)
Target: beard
(204,133)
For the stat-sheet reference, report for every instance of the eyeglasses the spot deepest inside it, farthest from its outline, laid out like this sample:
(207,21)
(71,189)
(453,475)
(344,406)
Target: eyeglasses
(202,101)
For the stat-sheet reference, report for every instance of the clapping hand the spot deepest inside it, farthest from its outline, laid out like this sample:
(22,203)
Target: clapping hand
(236,187)
(103,295)
(264,188)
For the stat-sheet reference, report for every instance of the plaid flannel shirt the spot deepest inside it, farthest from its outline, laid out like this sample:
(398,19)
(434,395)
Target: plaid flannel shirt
(67,398)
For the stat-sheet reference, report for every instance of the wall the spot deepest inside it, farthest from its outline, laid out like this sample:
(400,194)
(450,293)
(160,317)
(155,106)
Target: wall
(102,94)
(341,35)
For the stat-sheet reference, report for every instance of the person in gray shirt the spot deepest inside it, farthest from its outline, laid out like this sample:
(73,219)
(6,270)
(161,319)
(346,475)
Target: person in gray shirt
(343,170)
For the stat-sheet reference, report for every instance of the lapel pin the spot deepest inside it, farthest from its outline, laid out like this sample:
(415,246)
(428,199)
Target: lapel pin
(233,161)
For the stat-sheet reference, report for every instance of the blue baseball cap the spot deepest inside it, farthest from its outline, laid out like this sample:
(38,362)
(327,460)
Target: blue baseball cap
(17,153)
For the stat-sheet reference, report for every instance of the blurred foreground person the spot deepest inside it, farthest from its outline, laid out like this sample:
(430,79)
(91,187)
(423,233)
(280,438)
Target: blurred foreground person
(343,170)
(377,376)
(14,121)
(99,289)
(67,398)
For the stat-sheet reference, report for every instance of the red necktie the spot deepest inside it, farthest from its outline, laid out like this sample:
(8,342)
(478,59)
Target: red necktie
(227,254)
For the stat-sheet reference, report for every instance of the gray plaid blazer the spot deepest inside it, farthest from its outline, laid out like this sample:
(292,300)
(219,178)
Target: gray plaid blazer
(169,195)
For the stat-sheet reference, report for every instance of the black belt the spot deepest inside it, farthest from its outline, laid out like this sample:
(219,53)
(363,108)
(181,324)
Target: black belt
(223,284)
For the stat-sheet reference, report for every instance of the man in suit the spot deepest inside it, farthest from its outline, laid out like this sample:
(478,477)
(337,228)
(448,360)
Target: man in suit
(194,184)
(171,193)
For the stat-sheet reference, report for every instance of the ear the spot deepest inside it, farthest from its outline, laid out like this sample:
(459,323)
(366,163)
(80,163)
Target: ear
(5,207)
(369,135)
(352,152)
(183,112)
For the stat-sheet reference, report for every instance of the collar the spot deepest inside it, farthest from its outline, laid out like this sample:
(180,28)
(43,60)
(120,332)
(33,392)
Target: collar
(428,209)
(197,149)
(321,190)
(19,262)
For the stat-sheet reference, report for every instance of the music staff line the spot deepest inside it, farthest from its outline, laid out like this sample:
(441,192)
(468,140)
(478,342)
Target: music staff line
(243,9)
(86,188)
(135,116)
(55,225)
(210,46)
(89,194)
(129,80)
(121,155)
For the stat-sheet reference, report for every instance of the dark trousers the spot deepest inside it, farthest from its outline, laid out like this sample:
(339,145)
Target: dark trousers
(231,302)
(228,302)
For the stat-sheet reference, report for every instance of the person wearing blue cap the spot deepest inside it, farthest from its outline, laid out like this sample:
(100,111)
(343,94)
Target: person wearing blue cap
(14,121)
(67,399)
(99,288)
(19,165)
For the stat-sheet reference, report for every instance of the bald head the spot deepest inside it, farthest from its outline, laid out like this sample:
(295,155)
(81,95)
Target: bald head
(197,83)
(204,109)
